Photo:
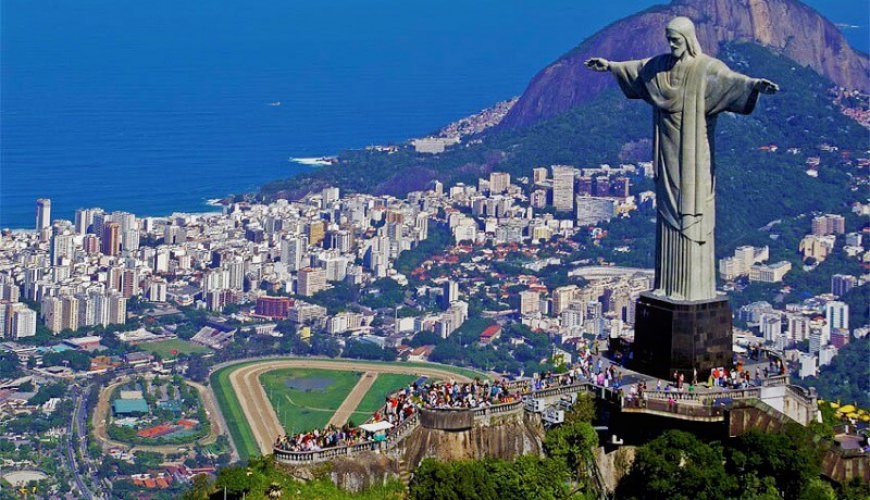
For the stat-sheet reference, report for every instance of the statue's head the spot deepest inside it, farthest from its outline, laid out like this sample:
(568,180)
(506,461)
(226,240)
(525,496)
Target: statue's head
(681,37)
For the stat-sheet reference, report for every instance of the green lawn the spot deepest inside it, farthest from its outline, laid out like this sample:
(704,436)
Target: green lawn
(301,410)
(374,399)
(164,348)
(240,431)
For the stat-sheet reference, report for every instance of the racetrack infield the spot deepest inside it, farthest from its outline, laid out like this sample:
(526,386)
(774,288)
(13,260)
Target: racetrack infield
(306,399)
(251,419)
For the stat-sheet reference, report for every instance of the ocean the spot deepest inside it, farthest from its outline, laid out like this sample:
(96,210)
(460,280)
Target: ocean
(155,107)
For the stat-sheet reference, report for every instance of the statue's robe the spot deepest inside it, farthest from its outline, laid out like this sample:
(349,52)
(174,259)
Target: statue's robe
(686,97)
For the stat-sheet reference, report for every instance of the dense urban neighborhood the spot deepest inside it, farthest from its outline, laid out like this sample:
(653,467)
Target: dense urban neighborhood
(520,304)
(112,321)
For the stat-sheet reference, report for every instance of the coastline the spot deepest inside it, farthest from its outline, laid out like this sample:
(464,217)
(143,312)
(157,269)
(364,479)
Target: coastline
(461,128)
(314,161)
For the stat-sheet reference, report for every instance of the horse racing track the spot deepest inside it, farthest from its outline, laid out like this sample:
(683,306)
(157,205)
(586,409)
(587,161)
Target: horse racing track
(262,400)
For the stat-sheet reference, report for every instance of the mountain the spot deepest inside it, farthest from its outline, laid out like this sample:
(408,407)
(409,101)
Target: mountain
(787,27)
(754,186)
(612,129)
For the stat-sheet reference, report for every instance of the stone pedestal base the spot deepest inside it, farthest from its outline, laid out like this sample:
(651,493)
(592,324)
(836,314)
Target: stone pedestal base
(672,335)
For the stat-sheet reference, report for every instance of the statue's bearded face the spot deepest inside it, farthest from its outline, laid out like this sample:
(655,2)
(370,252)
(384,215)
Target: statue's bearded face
(677,42)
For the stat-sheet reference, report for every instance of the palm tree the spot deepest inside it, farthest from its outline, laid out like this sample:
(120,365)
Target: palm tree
(274,491)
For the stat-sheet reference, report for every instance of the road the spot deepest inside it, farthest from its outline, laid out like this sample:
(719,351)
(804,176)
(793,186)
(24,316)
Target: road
(77,428)
(260,414)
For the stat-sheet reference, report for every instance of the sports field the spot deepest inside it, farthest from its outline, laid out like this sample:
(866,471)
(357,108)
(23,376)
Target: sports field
(168,349)
(252,420)
(306,399)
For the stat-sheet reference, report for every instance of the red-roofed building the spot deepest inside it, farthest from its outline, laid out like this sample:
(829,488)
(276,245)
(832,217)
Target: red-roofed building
(421,353)
(491,333)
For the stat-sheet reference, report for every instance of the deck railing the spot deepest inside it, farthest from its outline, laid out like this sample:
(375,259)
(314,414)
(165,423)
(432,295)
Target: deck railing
(688,404)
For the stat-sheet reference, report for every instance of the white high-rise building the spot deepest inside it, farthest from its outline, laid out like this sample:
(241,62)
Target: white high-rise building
(87,310)
(117,309)
(84,219)
(161,261)
(572,318)
(499,182)
(563,188)
(157,291)
(52,313)
(62,247)
(5,311)
(798,327)
(216,279)
(449,293)
(529,302)
(292,251)
(330,195)
(21,321)
(70,313)
(236,274)
(771,327)
(102,309)
(310,281)
(836,317)
(43,214)
(816,341)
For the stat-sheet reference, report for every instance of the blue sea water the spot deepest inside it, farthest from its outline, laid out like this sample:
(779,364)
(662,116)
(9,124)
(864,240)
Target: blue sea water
(155,107)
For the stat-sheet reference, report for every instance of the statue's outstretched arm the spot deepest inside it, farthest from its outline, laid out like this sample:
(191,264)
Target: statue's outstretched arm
(766,86)
(597,64)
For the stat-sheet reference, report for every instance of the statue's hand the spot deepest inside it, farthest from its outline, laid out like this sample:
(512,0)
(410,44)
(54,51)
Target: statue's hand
(766,86)
(597,64)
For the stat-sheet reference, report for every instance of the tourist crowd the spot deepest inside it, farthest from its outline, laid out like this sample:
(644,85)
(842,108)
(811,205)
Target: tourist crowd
(401,405)
(588,367)
(470,395)
(329,437)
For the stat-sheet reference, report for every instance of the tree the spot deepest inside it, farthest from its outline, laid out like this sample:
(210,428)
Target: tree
(583,410)
(572,443)
(676,465)
(201,489)
(526,477)
(790,458)
(9,367)
(236,480)
(367,350)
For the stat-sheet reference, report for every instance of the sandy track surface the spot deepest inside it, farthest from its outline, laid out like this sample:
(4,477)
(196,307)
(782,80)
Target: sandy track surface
(261,416)
(103,407)
(353,399)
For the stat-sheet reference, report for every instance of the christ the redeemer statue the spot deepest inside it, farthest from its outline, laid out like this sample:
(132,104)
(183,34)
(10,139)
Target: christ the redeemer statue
(687,90)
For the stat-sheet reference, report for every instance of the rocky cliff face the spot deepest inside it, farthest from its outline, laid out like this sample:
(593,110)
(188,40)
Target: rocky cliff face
(785,26)
(505,438)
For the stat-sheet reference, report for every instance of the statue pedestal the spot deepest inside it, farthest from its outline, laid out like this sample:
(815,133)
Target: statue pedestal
(674,335)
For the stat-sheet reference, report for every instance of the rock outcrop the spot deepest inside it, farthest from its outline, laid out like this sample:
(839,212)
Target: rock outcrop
(505,437)
(352,473)
(613,466)
(785,26)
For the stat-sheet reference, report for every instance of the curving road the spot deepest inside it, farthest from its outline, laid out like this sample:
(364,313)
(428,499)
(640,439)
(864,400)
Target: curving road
(261,416)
